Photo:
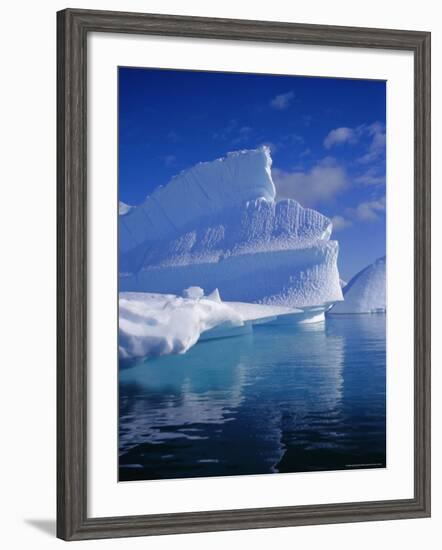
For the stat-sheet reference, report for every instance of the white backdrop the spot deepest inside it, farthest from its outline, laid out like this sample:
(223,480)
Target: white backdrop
(27,490)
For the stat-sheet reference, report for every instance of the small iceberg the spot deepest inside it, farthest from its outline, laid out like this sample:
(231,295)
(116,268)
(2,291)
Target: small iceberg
(365,292)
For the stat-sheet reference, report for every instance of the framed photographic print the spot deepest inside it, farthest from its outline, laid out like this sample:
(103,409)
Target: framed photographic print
(243,274)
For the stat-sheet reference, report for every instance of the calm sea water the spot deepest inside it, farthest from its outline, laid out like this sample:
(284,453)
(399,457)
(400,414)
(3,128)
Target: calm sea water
(283,399)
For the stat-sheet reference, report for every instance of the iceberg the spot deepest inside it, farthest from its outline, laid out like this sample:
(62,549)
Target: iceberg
(158,324)
(220,225)
(151,325)
(366,291)
(197,193)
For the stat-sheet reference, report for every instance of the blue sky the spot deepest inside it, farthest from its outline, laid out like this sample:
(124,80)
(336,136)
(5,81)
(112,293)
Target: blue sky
(327,138)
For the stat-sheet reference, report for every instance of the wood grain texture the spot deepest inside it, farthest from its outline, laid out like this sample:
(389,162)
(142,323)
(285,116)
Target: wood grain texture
(72,29)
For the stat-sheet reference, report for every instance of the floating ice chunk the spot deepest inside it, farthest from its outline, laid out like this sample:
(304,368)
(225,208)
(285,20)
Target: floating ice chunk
(214,296)
(158,324)
(152,325)
(366,292)
(193,292)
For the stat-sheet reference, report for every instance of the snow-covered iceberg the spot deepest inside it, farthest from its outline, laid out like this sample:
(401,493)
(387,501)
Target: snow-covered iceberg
(219,224)
(159,324)
(152,325)
(201,192)
(365,292)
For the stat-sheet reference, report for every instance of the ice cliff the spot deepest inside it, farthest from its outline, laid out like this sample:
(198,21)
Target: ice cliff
(219,225)
(366,291)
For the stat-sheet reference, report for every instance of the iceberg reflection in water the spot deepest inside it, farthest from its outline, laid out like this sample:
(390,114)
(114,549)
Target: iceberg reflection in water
(281,399)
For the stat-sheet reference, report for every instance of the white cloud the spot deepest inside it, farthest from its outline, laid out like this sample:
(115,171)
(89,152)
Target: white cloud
(371,177)
(340,135)
(340,223)
(321,183)
(369,210)
(374,133)
(376,149)
(282,101)
(373,138)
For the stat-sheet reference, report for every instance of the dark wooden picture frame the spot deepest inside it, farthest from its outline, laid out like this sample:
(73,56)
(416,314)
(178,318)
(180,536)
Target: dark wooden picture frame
(73,27)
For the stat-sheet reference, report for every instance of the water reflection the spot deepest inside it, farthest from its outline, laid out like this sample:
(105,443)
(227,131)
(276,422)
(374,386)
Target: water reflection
(284,398)
(166,397)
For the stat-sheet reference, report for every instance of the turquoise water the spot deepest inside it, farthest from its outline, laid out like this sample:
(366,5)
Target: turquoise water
(282,399)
